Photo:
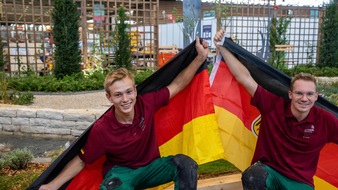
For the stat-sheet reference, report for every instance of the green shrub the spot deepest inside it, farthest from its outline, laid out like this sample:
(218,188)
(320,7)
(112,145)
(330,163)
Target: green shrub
(18,158)
(3,60)
(142,75)
(3,87)
(329,91)
(333,98)
(2,163)
(278,36)
(121,40)
(314,70)
(73,83)
(22,98)
(67,55)
(328,54)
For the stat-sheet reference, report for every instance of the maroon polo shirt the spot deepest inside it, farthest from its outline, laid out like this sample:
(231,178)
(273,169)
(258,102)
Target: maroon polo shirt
(131,145)
(286,145)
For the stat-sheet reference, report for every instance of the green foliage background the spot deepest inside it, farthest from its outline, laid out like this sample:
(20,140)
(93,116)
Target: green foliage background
(67,55)
(328,56)
(121,40)
(278,36)
(2,56)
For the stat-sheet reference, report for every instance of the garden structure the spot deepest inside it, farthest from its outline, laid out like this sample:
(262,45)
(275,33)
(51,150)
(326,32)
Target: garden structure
(27,38)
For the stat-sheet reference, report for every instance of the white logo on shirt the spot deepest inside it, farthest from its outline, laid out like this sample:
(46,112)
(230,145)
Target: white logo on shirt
(308,132)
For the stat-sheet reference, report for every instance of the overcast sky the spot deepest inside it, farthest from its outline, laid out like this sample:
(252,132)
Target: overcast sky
(302,2)
(282,2)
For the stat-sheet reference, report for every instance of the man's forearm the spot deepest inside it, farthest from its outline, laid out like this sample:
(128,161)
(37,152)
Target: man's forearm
(70,171)
(239,71)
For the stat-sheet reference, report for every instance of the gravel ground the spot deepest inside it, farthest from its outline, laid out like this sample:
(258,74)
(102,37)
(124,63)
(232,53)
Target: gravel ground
(77,100)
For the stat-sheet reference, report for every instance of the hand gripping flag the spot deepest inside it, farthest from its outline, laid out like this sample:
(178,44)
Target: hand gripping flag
(239,121)
(186,125)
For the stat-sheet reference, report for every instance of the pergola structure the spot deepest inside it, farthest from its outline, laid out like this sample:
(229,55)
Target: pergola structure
(26,31)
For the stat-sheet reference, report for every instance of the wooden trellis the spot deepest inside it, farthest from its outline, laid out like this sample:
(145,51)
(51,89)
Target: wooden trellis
(26,37)
(26,31)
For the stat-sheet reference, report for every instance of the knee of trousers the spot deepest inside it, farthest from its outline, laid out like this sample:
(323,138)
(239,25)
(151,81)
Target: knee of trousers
(185,163)
(254,177)
(110,184)
(186,172)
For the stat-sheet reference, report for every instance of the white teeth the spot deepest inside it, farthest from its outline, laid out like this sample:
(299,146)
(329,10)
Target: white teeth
(125,105)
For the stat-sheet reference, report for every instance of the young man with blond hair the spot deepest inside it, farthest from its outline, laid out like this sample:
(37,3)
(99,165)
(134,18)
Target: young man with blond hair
(126,135)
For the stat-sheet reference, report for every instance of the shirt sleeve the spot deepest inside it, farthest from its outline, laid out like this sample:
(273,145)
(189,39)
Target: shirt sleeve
(264,100)
(94,147)
(159,98)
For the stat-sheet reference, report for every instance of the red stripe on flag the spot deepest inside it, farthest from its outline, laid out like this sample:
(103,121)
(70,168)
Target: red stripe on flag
(184,107)
(89,178)
(328,166)
(230,95)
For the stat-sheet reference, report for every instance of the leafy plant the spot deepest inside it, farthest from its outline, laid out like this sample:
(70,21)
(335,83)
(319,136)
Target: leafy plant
(98,59)
(18,158)
(3,60)
(121,40)
(220,13)
(73,83)
(18,181)
(3,88)
(67,55)
(278,36)
(21,98)
(328,55)
(190,23)
(310,53)
(314,70)
(2,163)
(142,75)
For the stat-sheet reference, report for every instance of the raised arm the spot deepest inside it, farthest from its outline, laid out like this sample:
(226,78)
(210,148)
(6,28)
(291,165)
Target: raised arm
(185,76)
(71,169)
(238,70)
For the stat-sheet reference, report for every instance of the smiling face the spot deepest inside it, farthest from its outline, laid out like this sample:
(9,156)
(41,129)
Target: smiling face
(303,95)
(122,93)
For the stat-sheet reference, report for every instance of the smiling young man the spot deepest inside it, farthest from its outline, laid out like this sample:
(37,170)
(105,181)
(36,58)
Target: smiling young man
(126,136)
(292,132)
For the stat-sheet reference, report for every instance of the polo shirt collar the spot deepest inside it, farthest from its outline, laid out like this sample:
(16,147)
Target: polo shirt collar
(118,125)
(310,118)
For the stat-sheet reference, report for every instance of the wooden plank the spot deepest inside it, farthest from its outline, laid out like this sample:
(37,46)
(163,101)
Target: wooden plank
(228,182)
(284,47)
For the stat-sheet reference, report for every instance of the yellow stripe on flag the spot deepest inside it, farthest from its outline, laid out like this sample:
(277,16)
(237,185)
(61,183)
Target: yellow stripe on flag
(238,142)
(322,184)
(199,139)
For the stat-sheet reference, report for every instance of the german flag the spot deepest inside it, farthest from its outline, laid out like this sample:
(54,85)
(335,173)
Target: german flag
(186,125)
(239,121)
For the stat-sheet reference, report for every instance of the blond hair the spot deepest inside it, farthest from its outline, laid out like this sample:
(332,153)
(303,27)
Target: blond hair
(302,76)
(116,75)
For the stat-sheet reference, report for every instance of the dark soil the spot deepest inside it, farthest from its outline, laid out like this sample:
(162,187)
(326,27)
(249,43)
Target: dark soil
(37,145)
